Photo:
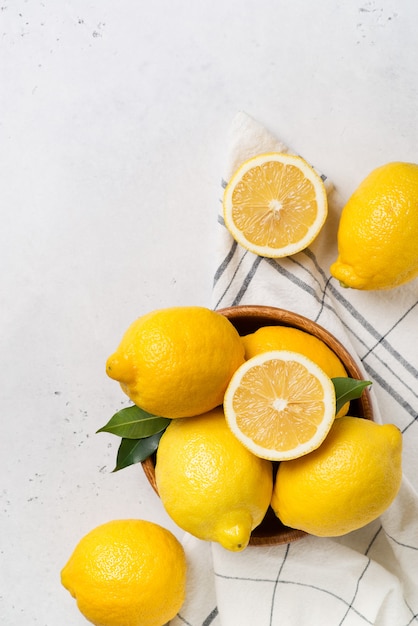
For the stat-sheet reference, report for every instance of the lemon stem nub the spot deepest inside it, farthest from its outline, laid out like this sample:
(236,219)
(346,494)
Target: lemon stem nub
(120,368)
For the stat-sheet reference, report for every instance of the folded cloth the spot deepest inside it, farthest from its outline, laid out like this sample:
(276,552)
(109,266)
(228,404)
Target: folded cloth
(369,576)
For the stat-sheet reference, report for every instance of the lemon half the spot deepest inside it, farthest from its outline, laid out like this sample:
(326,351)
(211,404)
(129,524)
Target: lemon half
(275,204)
(280,405)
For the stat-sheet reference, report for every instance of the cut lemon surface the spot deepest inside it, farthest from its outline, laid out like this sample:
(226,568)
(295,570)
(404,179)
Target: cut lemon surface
(280,405)
(275,204)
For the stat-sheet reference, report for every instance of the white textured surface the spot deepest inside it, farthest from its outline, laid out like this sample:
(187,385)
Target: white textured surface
(113,118)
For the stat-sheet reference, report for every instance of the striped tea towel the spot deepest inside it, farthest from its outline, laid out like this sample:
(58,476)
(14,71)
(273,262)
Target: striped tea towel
(369,576)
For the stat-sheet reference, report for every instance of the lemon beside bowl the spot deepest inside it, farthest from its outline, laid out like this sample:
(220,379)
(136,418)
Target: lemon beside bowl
(378,230)
(247,319)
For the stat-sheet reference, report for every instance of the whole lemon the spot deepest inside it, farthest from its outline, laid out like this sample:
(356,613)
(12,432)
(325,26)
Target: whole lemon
(269,338)
(209,484)
(378,230)
(127,573)
(345,483)
(178,361)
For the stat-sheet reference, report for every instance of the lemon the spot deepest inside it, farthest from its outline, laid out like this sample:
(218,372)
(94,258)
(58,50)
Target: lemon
(127,573)
(209,483)
(269,338)
(178,361)
(280,405)
(275,204)
(349,481)
(378,230)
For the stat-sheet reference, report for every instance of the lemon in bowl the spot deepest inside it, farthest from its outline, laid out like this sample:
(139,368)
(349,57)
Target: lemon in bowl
(345,483)
(209,483)
(282,337)
(177,361)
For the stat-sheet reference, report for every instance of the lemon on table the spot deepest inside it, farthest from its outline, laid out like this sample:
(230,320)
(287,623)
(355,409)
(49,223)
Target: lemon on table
(280,405)
(269,338)
(177,362)
(378,230)
(275,204)
(343,485)
(127,573)
(209,483)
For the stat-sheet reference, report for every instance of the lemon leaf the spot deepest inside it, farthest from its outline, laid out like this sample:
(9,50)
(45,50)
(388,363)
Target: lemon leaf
(134,423)
(133,451)
(347,389)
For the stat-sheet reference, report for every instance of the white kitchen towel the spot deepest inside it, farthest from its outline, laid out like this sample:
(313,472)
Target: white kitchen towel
(369,576)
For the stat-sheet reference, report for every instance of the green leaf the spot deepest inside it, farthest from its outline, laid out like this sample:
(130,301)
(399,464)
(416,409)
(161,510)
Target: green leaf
(347,389)
(136,450)
(134,423)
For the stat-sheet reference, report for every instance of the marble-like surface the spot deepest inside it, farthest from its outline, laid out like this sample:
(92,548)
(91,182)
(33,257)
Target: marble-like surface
(113,124)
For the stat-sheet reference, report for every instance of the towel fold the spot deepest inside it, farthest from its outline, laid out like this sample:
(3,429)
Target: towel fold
(369,576)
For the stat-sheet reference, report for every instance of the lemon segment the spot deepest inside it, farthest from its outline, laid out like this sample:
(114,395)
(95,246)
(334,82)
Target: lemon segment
(280,405)
(209,483)
(378,230)
(275,204)
(344,484)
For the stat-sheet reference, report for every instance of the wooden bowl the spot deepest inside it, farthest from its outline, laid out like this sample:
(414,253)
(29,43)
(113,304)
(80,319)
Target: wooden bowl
(247,319)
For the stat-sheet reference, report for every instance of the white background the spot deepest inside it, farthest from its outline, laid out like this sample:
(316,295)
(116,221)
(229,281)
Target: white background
(113,124)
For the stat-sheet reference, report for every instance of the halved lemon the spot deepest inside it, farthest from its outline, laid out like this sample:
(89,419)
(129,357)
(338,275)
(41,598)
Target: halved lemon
(275,204)
(280,405)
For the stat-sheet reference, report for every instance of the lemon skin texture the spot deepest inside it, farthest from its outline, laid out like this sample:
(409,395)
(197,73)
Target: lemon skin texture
(347,482)
(269,338)
(177,362)
(209,483)
(127,573)
(378,230)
